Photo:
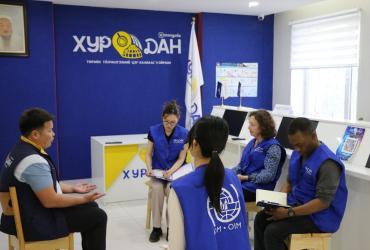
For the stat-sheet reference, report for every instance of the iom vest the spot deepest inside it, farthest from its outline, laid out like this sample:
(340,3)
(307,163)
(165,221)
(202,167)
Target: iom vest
(39,223)
(303,178)
(165,153)
(204,228)
(253,159)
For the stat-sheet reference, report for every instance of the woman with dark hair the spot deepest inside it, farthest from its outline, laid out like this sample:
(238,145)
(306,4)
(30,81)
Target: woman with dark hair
(166,151)
(206,207)
(263,157)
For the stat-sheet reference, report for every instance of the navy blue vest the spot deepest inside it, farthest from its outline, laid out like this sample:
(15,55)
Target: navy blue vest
(303,178)
(253,159)
(39,223)
(165,153)
(204,228)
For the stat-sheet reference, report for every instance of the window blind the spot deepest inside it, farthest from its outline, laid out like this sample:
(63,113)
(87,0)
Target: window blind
(326,42)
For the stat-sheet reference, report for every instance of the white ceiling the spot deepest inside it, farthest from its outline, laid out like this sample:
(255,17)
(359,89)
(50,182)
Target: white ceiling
(265,7)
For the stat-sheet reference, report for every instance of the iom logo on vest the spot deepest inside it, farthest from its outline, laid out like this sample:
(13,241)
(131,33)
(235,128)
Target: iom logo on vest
(308,170)
(259,149)
(230,209)
(177,141)
(9,160)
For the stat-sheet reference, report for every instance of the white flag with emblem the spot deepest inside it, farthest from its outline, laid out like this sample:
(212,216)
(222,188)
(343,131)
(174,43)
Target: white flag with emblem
(194,79)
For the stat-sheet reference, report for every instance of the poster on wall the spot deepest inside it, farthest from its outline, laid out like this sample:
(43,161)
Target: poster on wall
(13,31)
(236,80)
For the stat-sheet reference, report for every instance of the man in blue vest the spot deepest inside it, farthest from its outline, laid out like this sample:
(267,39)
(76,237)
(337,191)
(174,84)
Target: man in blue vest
(316,187)
(47,211)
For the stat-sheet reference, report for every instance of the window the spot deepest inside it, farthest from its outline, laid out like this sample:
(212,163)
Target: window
(324,66)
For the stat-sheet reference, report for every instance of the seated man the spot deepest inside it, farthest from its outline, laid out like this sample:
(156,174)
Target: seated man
(316,190)
(47,212)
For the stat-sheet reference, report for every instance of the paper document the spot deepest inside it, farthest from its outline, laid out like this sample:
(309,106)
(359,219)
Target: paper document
(184,170)
(269,199)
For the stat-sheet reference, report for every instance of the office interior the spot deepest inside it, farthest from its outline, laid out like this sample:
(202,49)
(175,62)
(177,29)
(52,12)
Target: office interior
(73,70)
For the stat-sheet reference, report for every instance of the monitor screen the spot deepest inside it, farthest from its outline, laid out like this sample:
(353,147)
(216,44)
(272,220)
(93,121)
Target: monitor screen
(282,134)
(235,119)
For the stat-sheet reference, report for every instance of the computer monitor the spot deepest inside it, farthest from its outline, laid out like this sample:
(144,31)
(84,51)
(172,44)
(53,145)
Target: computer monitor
(235,119)
(282,134)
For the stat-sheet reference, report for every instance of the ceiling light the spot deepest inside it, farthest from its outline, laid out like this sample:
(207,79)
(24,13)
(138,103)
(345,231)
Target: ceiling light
(252,4)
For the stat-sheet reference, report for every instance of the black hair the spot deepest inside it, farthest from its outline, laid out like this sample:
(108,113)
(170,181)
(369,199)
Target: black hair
(211,134)
(171,108)
(33,118)
(303,125)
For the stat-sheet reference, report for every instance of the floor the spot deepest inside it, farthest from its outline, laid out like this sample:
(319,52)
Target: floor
(126,228)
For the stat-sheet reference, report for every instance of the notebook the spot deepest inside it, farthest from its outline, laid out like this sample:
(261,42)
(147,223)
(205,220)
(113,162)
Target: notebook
(184,170)
(269,199)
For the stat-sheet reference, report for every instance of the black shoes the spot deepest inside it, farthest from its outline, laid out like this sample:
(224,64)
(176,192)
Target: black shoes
(155,234)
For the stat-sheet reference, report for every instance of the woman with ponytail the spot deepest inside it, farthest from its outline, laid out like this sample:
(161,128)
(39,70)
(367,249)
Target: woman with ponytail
(206,207)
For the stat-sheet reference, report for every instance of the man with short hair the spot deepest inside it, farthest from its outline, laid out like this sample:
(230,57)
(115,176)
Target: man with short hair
(47,211)
(316,187)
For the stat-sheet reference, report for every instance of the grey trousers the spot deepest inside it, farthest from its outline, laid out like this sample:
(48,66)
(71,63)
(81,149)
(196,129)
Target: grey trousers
(160,190)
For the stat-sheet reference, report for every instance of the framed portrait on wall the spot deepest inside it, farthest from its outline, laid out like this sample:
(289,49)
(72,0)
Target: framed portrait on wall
(13,29)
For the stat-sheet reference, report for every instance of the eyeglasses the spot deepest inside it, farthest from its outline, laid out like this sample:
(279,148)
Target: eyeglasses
(171,123)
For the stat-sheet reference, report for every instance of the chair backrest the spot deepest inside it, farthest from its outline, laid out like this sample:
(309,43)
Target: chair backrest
(5,203)
(17,215)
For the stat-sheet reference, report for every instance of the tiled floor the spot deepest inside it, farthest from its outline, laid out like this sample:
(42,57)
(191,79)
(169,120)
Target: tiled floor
(126,228)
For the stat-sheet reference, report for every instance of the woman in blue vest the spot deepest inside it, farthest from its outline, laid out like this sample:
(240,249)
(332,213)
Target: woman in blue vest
(206,207)
(262,158)
(166,151)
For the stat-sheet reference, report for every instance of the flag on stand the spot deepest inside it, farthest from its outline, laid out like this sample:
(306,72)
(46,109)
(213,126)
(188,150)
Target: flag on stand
(194,79)
(219,90)
(239,89)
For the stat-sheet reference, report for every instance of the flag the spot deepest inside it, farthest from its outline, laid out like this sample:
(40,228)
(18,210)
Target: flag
(194,79)
(239,89)
(219,90)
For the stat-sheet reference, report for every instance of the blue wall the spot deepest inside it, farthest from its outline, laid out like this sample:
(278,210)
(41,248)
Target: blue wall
(28,81)
(112,99)
(91,100)
(237,39)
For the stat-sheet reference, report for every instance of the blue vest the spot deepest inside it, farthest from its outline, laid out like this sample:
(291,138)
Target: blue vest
(303,178)
(253,159)
(165,153)
(39,223)
(204,228)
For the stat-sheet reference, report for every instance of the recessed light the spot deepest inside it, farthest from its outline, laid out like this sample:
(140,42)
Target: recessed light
(252,4)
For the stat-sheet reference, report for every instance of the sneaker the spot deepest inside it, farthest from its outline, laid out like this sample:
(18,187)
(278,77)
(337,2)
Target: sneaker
(167,234)
(155,234)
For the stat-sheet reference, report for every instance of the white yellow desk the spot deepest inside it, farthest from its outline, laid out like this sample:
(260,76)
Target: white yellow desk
(118,166)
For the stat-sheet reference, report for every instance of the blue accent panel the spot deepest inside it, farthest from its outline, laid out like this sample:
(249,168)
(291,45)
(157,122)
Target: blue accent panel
(112,99)
(91,100)
(28,81)
(237,39)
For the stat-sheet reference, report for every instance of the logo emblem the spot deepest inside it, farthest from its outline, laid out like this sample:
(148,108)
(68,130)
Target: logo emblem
(127,45)
(230,207)
(9,160)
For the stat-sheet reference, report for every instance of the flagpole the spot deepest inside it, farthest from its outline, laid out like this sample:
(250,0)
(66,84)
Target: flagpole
(222,101)
(194,80)
(240,102)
